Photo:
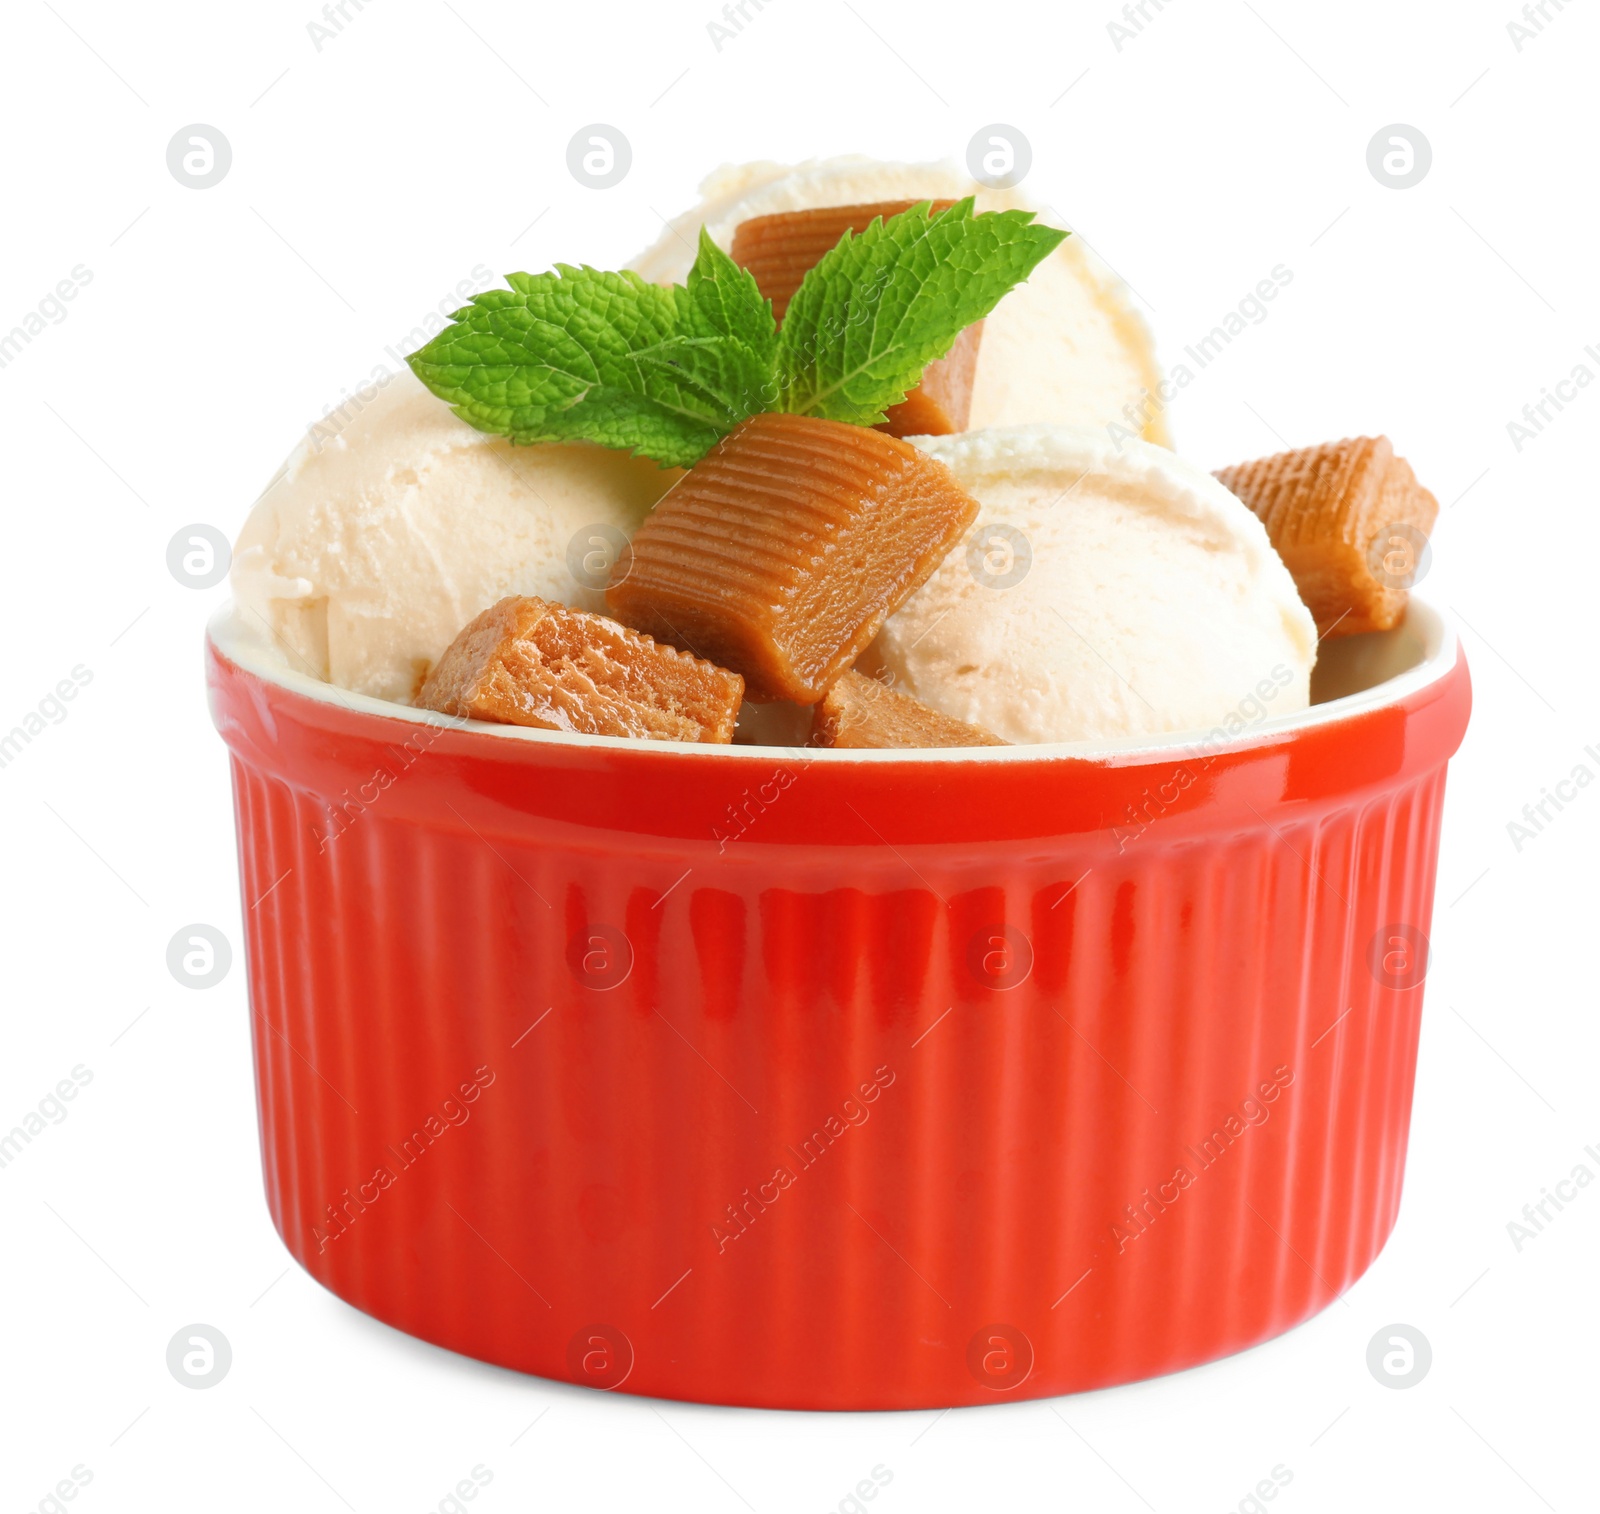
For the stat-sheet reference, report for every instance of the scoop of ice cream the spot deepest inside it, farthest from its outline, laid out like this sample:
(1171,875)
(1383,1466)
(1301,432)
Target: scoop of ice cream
(374,546)
(1104,592)
(1065,347)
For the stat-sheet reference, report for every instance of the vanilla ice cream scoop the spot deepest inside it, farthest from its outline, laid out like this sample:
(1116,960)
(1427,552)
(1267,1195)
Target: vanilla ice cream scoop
(1065,347)
(1104,593)
(374,546)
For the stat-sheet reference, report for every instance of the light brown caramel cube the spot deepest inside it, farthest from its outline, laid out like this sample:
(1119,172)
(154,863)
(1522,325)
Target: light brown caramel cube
(529,662)
(785,548)
(860,712)
(1349,520)
(779,250)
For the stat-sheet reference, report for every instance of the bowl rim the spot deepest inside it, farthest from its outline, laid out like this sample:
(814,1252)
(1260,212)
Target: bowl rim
(232,641)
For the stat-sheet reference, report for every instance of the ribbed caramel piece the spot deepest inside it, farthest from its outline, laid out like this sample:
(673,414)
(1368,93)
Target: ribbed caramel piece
(785,548)
(860,712)
(779,250)
(528,662)
(1328,511)
(941,403)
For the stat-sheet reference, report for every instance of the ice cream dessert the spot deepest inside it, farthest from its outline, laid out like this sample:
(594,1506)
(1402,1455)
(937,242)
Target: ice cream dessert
(1105,592)
(691,511)
(1066,347)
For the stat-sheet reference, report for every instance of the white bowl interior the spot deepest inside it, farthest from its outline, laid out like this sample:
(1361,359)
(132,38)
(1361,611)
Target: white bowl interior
(1351,665)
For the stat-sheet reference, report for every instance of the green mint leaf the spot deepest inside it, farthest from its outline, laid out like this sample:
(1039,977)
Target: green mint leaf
(578,355)
(879,307)
(722,299)
(726,353)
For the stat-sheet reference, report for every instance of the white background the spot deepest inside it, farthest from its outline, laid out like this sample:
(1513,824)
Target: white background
(372,175)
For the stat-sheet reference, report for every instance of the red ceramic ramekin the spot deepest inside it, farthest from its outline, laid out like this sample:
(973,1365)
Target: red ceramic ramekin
(839,1080)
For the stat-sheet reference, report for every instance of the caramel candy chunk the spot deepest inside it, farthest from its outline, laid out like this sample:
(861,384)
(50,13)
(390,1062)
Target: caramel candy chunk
(786,547)
(941,403)
(779,250)
(860,712)
(1349,520)
(529,662)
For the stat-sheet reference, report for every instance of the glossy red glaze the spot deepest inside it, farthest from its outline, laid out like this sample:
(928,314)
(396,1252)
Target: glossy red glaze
(1104,1103)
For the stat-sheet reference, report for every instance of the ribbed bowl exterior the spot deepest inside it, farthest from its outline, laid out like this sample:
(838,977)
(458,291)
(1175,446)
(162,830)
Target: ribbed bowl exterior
(840,1085)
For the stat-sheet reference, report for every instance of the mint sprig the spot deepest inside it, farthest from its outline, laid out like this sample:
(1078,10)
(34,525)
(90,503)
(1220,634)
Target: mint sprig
(581,355)
(584,355)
